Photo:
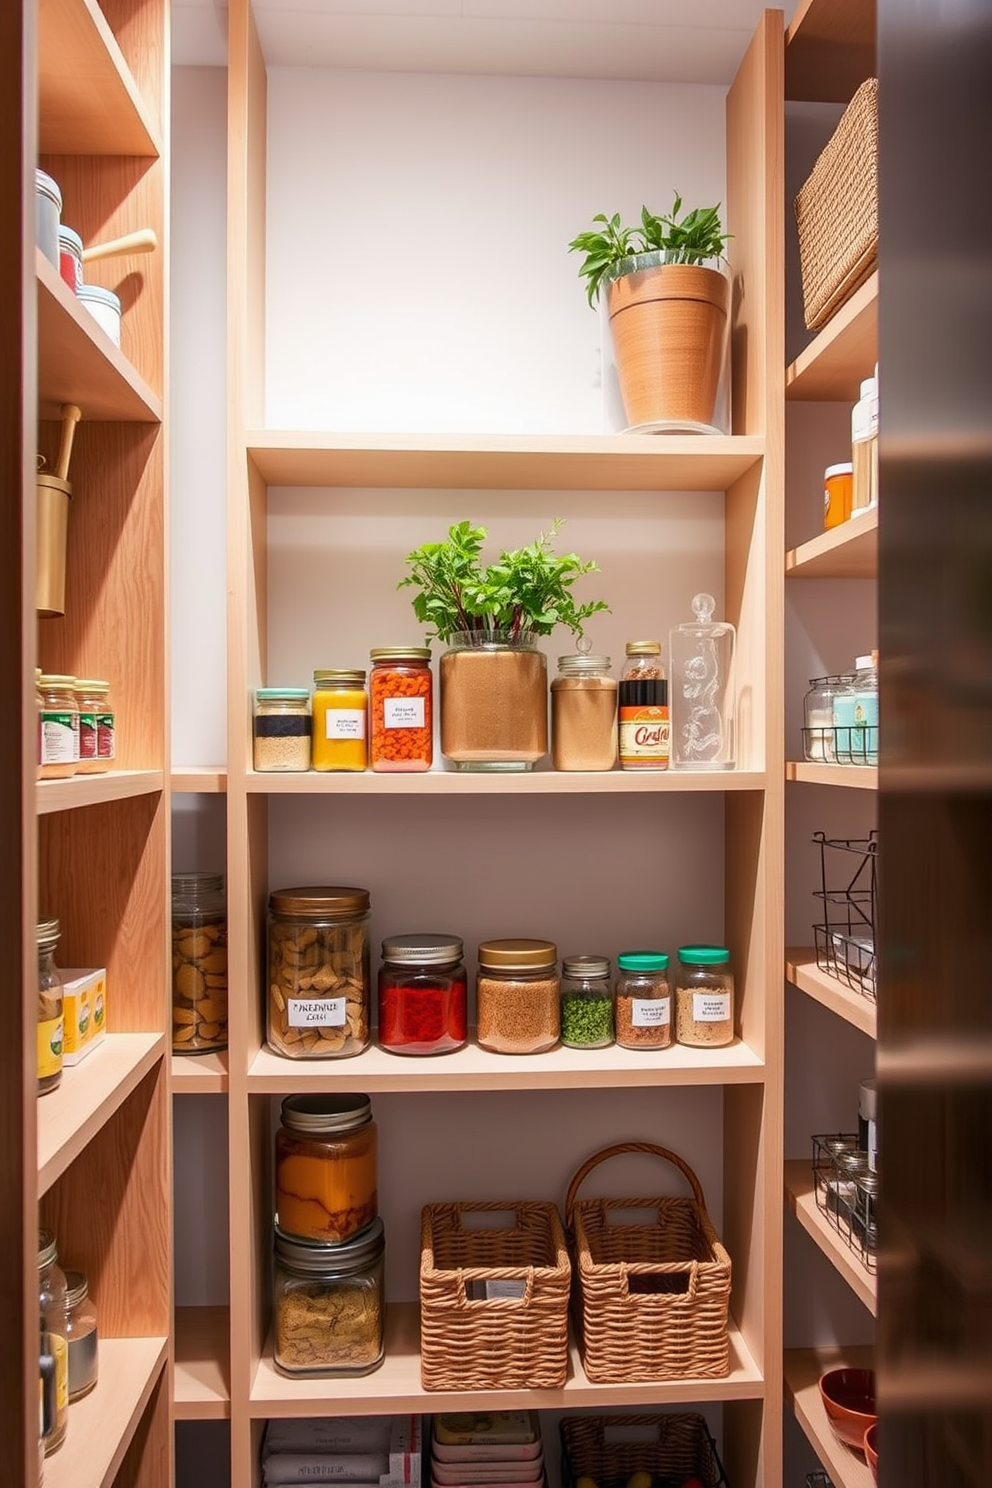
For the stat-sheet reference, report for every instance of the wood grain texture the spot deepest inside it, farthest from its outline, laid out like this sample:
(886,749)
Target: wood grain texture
(830,50)
(149,1458)
(849,551)
(845,1261)
(91,103)
(119,1413)
(92,790)
(845,351)
(201,1388)
(856,1009)
(142,32)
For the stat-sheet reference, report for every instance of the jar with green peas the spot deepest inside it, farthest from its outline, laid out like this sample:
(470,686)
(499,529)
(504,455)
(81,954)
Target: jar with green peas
(587,1020)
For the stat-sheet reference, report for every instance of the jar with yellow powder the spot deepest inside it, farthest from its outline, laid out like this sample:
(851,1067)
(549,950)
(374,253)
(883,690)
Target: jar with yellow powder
(326,1167)
(340,720)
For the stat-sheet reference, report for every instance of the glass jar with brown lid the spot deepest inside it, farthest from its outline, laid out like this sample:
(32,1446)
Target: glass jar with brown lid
(318,972)
(517,992)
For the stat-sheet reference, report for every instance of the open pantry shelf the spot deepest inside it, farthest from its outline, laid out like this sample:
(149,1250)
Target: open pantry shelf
(102,1424)
(530,782)
(95,790)
(90,102)
(803,1368)
(849,551)
(200,1074)
(850,777)
(802,1200)
(833,365)
(802,971)
(201,1378)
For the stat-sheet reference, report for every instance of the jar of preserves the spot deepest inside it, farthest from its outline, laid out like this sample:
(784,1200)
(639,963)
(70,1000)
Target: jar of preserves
(586,1005)
(326,1167)
(401,709)
(340,720)
(704,997)
(584,713)
(51,1034)
(81,1335)
(281,729)
(97,738)
(517,996)
(422,994)
(329,1305)
(59,727)
(199,963)
(52,1307)
(643,1000)
(319,972)
(644,726)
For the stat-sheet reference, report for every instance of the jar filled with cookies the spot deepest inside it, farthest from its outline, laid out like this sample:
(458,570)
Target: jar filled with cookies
(318,972)
(199,963)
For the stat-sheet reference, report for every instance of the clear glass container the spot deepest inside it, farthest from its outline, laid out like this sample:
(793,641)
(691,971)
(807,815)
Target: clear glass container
(199,963)
(281,729)
(704,691)
(326,1167)
(81,1333)
(423,994)
(51,1028)
(643,1000)
(97,730)
(494,701)
(59,727)
(319,972)
(401,710)
(704,997)
(329,1305)
(52,1306)
(584,713)
(836,494)
(856,715)
(517,996)
(818,717)
(644,725)
(586,1005)
(340,721)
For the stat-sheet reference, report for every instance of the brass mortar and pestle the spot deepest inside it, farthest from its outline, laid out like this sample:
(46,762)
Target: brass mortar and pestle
(54,495)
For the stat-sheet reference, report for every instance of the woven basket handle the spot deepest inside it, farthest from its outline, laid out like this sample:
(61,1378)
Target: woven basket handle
(617,1150)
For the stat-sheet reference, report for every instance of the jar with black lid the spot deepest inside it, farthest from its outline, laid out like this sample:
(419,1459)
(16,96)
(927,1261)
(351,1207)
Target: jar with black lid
(329,1305)
(326,1167)
(422,994)
(318,972)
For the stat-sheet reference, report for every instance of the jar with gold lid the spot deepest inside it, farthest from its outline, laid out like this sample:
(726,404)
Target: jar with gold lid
(59,726)
(97,726)
(340,708)
(401,708)
(318,972)
(517,996)
(50,1024)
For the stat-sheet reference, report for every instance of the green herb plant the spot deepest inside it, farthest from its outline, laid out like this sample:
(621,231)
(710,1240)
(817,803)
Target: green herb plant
(693,240)
(526,589)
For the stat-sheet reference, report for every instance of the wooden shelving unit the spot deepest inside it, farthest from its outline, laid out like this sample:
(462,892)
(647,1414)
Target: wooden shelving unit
(845,777)
(854,1007)
(849,551)
(830,366)
(206,1074)
(96,790)
(89,1095)
(201,1375)
(440,782)
(104,1422)
(803,1368)
(802,1201)
(208,780)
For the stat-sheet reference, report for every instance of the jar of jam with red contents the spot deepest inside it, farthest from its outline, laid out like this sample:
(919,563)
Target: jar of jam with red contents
(422,994)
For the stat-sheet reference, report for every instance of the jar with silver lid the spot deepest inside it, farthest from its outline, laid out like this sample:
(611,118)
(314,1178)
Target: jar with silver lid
(329,1305)
(422,994)
(326,1186)
(81,1332)
(584,713)
(586,1002)
(52,1307)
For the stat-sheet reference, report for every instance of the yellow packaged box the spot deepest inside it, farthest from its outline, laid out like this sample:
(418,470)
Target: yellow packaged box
(84,1010)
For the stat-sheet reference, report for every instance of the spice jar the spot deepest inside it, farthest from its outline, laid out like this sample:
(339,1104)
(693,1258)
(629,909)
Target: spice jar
(340,721)
(584,713)
(837,481)
(319,975)
(517,996)
(422,994)
(81,1335)
(281,729)
(96,726)
(643,703)
(586,1003)
(51,1035)
(199,963)
(59,727)
(401,709)
(52,1307)
(39,703)
(704,997)
(326,1174)
(643,1000)
(329,1305)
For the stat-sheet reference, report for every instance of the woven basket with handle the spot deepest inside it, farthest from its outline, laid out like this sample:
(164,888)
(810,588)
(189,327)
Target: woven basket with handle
(651,1297)
(609,1449)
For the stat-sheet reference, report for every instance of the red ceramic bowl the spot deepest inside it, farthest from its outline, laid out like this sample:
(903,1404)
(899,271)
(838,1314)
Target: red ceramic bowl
(848,1397)
(871,1450)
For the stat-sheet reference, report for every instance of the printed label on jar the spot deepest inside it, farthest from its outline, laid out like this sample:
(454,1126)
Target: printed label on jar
(344,723)
(316,1012)
(106,736)
(650,1014)
(50,1040)
(58,738)
(644,735)
(711,1007)
(403,712)
(60,1348)
(88,736)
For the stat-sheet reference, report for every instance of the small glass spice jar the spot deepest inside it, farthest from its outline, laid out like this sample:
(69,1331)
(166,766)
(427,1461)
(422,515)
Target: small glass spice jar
(52,1307)
(59,727)
(329,1305)
(704,997)
(340,720)
(97,733)
(401,710)
(818,717)
(51,1033)
(319,972)
(517,996)
(81,1334)
(281,729)
(326,1167)
(643,1000)
(422,994)
(199,963)
(584,713)
(586,1003)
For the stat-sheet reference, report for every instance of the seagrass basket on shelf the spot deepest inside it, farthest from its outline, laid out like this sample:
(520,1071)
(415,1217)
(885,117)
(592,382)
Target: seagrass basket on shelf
(493,1299)
(652,1281)
(610,1449)
(837,211)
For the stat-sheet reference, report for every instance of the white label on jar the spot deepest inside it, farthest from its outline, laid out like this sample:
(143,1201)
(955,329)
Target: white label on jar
(345,723)
(711,1007)
(651,1014)
(316,1012)
(403,712)
(59,738)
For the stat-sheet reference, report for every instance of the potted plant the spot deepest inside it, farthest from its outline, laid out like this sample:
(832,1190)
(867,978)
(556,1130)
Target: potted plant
(667,292)
(494,709)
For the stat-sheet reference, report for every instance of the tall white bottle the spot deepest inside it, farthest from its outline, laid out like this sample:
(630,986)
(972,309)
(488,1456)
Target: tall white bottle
(864,448)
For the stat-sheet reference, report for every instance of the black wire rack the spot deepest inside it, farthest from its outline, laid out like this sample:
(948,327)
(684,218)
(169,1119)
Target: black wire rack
(846,1191)
(839,744)
(848,892)
(818,1480)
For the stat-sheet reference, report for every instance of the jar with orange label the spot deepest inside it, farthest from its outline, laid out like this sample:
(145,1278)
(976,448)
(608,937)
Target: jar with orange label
(401,705)
(837,490)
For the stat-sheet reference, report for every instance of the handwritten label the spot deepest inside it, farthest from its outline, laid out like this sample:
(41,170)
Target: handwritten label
(316,1012)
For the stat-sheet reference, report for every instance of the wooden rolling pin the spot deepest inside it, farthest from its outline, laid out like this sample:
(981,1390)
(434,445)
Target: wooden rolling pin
(70,418)
(142,241)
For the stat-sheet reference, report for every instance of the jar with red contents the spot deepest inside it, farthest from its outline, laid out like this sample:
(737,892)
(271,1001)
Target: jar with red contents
(401,708)
(422,994)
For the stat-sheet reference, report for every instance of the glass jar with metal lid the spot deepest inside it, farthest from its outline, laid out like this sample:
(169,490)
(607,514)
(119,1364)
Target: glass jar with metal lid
(704,997)
(340,720)
(318,972)
(52,1307)
(59,727)
(818,717)
(326,1167)
(329,1305)
(586,1004)
(584,713)
(97,731)
(517,996)
(422,994)
(199,963)
(643,1000)
(644,728)
(81,1334)
(281,729)
(401,709)
(51,1033)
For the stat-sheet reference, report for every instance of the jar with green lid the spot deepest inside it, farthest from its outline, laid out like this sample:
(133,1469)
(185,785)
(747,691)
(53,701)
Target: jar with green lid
(281,729)
(97,726)
(329,1305)
(59,727)
(318,972)
(50,1024)
(586,1004)
(584,713)
(199,963)
(704,997)
(517,996)
(326,1167)
(643,1000)
(52,1307)
(81,1334)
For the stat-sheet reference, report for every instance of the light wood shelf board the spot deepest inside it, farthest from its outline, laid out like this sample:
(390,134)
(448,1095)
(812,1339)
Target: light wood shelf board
(96,790)
(78,362)
(531,782)
(799,1192)
(70,1116)
(89,101)
(802,971)
(102,1424)
(833,365)
(803,1368)
(200,1074)
(677,462)
(852,777)
(396,1387)
(201,1376)
(849,551)
(830,49)
(198,779)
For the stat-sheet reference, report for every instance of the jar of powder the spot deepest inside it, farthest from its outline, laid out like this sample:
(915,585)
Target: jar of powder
(584,713)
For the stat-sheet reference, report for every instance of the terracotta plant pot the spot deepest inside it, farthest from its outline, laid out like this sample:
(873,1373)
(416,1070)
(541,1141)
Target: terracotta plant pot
(670,325)
(494,702)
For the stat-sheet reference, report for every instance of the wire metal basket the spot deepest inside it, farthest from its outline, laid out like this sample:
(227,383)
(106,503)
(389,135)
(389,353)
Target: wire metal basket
(841,744)
(846,1192)
(845,936)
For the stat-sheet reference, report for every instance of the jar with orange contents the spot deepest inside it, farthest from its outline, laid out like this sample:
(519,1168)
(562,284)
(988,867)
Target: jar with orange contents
(401,705)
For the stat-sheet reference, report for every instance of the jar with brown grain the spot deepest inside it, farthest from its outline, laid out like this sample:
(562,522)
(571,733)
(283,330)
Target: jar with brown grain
(97,730)
(517,996)
(81,1334)
(704,997)
(199,963)
(318,972)
(59,727)
(643,1000)
(329,1305)
(326,1167)
(584,714)
(51,1035)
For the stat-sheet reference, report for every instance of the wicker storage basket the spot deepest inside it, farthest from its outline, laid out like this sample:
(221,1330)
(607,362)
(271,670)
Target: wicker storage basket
(837,211)
(651,1298)
(473,1338)
(609,1449)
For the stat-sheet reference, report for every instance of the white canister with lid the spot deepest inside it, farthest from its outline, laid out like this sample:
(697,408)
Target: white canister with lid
(105,308)
(47,213)
(71,258)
